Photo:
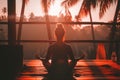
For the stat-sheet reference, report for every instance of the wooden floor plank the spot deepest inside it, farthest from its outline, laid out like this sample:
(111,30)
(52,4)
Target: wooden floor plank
(84,70)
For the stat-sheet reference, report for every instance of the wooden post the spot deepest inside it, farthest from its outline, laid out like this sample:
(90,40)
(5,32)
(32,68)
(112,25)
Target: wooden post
(11,22)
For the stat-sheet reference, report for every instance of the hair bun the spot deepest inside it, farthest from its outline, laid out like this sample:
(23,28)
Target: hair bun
(59,29)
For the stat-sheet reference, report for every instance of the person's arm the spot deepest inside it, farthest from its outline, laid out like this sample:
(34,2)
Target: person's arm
(46,62)
(72,59)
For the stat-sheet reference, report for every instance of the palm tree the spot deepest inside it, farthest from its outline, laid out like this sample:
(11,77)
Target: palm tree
(86,9)
(104,5)
(4,11)
(45,5)
(21,19)
(113,31)
(67,4)
(32,16)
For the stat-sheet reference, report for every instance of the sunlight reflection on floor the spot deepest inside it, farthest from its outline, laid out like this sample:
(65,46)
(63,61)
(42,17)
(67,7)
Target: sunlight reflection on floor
(84,70)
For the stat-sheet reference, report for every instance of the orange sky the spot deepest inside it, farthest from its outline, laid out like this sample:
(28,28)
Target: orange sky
(35,7)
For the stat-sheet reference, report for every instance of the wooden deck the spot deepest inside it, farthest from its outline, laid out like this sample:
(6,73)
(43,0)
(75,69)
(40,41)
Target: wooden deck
(84,70)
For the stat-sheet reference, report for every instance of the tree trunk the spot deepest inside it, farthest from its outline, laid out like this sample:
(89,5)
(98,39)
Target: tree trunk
(21,20)
(93,36)
(113,30)
(48,27)
(47,22)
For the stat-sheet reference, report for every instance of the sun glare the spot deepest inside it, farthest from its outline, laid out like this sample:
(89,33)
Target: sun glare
(55,8)
(35,8)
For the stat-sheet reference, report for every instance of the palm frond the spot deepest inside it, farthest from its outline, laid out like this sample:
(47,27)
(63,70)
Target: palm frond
(104,5)
(50,2)
(86,7)
(88,4)
(64,2)
(93,3)
(46,4)
(70,3)
(83,11)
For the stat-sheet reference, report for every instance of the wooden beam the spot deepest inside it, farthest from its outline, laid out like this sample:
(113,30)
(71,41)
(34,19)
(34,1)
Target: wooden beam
(85,23)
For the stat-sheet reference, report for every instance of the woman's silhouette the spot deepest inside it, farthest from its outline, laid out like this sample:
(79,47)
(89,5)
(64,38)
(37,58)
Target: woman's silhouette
(61,56)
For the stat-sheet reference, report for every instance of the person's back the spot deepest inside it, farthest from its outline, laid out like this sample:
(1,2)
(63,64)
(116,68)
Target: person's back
(59,53)
(60,66)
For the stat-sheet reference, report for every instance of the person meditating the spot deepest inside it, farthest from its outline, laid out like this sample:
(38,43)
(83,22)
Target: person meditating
(61,56)
(59,53)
